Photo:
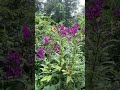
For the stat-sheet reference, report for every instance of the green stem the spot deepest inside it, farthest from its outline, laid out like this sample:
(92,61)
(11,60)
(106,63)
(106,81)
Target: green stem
(74,52)
(60,58)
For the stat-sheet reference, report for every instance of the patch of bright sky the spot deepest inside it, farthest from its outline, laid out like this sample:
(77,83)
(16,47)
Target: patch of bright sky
(82,2)
(80,6)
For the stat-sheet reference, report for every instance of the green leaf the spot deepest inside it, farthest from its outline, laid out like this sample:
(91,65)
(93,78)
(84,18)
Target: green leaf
(52,87)
(69,78)
(62,63)
(46,78)
(45,70)
(56,67)
(64,72)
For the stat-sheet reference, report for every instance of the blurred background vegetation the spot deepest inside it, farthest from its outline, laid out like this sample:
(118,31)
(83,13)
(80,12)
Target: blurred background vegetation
(65,11)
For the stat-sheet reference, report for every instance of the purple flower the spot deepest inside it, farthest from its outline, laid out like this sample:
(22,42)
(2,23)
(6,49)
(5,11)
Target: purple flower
(62,31)
(76,25)
(17,71)
(7,70)
(94,10)
(40,49)
(74,29)
(46,39)
(14,57)
(10,71)
(65,31)
(117,12)
(56,48)
(40,53)
(68,31)
(26,32)
(62,27)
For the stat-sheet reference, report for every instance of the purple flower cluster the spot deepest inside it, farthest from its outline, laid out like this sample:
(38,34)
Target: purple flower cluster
(7,70)
(17,71)
(40,53)
(56,48)
(14,57)
(73,30)
(68,31)
(12,71)
(12,66)
(61,30)
(46,39)
(26,32)
(94,10)
(117,12)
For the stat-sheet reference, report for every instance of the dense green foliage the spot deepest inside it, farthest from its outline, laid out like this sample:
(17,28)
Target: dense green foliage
(13,15)
(102,40)
(64,70)
(59,71)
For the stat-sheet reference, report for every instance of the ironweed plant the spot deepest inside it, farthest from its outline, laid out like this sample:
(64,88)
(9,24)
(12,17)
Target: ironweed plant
(60,61)
(100,43)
